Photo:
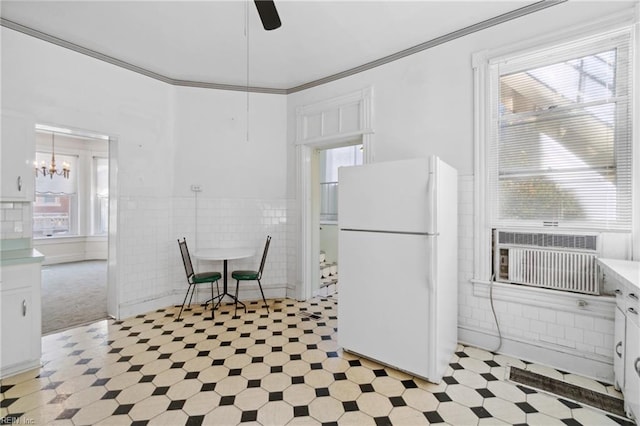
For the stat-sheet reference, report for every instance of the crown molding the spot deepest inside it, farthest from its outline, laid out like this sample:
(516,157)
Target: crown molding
(505,17)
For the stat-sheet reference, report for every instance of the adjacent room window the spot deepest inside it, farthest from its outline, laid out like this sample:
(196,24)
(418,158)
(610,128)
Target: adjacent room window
(330,160)
(560,145)
(79,205)
(55,210)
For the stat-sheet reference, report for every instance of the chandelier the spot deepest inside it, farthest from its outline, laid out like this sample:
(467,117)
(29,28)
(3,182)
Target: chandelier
(51,169)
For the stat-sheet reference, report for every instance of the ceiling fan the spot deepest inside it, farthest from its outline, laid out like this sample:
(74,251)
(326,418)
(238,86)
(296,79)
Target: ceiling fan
(268,14)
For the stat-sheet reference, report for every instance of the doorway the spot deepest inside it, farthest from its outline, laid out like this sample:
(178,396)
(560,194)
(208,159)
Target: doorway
(71,223)
(329,161)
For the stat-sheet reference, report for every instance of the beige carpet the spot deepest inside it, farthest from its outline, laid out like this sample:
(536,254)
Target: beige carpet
(73,294)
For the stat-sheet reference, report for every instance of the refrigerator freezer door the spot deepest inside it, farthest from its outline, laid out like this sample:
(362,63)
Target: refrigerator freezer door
(385,294)
(388,196)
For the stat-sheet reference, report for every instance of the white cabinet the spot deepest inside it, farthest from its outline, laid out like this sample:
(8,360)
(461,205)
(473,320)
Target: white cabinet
(620,346)
(632,361)
(625,276)
(21,329)
(17,152)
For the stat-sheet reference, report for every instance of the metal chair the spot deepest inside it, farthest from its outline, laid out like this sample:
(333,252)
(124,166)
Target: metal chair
(193,279)
(252,276)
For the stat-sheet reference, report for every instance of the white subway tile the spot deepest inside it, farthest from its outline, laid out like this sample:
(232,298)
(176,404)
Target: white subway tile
(565,318)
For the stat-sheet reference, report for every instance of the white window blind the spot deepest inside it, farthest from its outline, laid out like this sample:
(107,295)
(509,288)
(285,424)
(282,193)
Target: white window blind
(561,141)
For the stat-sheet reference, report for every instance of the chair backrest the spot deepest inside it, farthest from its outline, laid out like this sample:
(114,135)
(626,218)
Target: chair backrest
(264,255)
(186,258)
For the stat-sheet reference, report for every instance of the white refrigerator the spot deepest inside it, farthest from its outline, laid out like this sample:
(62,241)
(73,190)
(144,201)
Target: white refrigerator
(398,258)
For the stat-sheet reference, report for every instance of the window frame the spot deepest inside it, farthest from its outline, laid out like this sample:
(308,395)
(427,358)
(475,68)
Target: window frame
(550,56)
(551,47)
(85,151)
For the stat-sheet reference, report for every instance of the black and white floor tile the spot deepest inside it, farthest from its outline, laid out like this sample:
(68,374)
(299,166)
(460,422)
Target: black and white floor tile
(281,368)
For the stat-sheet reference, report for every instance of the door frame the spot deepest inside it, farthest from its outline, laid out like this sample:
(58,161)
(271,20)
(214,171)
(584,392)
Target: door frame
(307,143)
(113,241)
(309,199)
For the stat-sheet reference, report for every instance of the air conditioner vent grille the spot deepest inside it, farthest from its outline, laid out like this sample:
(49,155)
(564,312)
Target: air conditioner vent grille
(559,241)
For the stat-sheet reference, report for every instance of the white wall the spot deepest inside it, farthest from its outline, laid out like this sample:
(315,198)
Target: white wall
(423,104)
(243,182)
(60,87)
(164,143)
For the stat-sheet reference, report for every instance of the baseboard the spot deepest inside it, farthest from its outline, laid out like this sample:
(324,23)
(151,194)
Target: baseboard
(176,296)
(598,369)
(75,257)
(142,306)
(64,258)
(248,291)
(21,367)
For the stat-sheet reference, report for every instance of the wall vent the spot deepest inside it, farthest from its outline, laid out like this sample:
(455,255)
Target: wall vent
(564,241)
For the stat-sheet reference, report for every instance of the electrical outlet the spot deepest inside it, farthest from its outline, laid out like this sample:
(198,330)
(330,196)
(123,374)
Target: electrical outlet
(196,188)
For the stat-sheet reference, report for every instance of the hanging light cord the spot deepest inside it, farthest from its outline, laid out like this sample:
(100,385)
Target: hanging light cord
(246,35)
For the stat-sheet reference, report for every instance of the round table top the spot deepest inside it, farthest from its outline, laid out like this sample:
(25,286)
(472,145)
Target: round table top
(222,253)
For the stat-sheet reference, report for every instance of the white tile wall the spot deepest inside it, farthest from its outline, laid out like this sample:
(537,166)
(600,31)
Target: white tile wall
(235,223)
(585,334)
(15,220)
(144,232)
(151,266)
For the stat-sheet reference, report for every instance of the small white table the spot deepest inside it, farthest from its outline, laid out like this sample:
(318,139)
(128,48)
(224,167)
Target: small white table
(225,254)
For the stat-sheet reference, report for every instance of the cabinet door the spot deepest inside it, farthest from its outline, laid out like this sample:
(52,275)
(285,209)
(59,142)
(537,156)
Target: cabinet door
(17,152)
(618,355)
(632,367)
(17,326)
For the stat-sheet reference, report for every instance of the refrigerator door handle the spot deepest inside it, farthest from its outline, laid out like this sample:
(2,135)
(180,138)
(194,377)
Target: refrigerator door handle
(431,198)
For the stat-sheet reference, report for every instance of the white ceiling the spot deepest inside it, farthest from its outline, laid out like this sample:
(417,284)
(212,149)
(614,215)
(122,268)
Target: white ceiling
(204,41)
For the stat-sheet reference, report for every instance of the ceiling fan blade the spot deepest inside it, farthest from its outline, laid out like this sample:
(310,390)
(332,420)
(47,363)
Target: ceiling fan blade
(268,14)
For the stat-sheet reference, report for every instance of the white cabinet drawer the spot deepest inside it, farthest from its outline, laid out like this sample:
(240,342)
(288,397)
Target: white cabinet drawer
(19,276)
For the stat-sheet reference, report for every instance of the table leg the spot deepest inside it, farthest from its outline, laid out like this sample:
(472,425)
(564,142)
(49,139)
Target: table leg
(224,281)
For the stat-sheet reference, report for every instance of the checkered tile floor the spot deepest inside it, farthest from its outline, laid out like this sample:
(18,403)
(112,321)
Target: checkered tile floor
(268,369)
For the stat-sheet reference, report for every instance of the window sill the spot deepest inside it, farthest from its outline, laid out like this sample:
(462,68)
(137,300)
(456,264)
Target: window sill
(68,239)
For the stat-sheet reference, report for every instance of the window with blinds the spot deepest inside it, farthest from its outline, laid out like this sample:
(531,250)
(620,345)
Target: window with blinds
(561,143)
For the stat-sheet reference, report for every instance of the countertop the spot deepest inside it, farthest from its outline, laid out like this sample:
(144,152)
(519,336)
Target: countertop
(627,271)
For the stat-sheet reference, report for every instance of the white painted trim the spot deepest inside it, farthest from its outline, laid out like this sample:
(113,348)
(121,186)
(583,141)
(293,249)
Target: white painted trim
(362,98)
(595,29)
(21,367)
(594,366)
(596,306)
(481,234)
(176,296)
(635,104)
(113,280)
(148,304)
(308,230)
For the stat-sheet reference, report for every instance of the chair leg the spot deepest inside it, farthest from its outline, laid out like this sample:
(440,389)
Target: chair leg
(235,312)
(185,300)
(212,317)
(191,298)
(262,292)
